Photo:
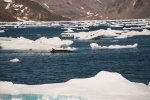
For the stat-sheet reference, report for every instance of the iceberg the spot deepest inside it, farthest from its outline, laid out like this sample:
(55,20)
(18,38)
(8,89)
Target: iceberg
(41,44)
(127,34)
(96,46)
(109,33)
(15,60)
(69,30)
(93,34)
(137,33)
(104,86)
(2,31)
(121,37)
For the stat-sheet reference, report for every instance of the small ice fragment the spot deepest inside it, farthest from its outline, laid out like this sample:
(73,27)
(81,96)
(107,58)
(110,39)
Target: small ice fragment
(15,60)
(96,46)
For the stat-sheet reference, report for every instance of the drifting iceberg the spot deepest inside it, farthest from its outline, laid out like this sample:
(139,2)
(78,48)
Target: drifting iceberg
(137,33)
(41,44)
(2,31)
(15,60)
(92,34)
(119,34)
(96,46)
(104,86)
(69,30)
(127,34)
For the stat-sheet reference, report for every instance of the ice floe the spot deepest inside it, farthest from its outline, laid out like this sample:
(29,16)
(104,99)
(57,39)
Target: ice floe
(96,46)
(103,86)
(69,30)
(137,33)
(41,44)
(2,31)
(106,33)
(15,60)
(92,34)
(9,1)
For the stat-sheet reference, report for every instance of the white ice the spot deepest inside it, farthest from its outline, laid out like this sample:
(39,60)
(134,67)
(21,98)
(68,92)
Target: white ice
(137,33)
(104,86)
(93,34)
(96,46)
(41,44)
(69,30)
(2,31)
(106,33)
(15,60)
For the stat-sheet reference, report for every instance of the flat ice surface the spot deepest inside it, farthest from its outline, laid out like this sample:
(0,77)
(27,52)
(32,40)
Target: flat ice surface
(41,44)
(96,46)
(103,86)
(106,33)
(15,60)
(2,31)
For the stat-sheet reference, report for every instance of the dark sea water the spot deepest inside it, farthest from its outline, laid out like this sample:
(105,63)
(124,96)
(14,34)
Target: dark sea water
(42,68)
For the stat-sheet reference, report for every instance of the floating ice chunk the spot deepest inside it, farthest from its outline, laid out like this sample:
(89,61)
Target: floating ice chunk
(104,86)
(2,31)
(134,33)
(92,34)
(66,43)
(16,98)
(96,46)
(41,44)
(116,26)
(15,60)
(69,30)
(147,26)
(4,39)
(121,37)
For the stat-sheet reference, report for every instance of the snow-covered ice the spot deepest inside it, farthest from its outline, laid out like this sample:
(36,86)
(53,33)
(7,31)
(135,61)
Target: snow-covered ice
(41,44)
(96,46)
(2,31)
(103,86)
(106,33)
(15,60)
(93,34)
(69,30)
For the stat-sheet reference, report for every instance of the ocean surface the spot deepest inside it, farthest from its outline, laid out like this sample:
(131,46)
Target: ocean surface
(46,68)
